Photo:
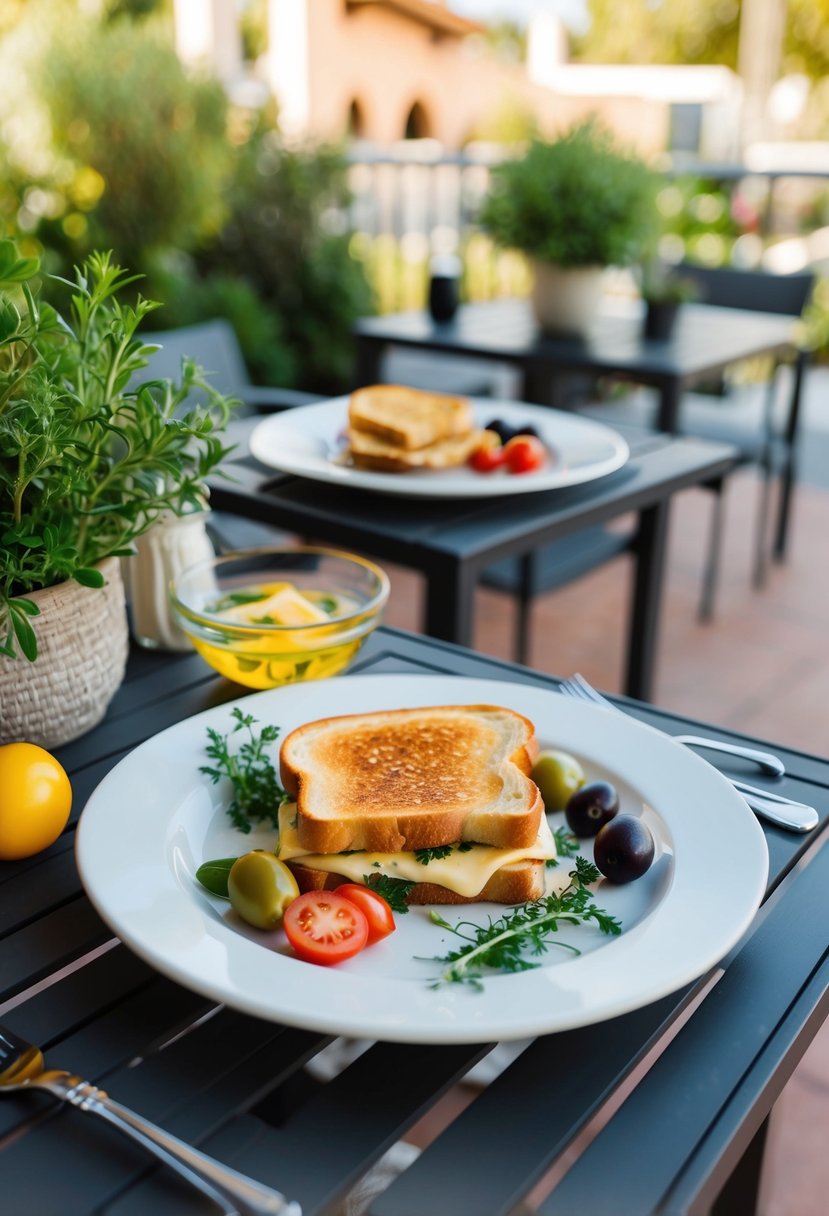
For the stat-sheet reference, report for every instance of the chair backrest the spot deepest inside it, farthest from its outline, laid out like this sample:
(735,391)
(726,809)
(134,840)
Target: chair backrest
(213,345)
(755,290)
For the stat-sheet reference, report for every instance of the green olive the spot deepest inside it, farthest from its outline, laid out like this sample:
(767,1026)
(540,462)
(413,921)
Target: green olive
(260,887)
(557,775)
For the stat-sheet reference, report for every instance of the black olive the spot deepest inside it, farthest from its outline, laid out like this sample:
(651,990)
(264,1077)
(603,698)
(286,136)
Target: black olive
(591,807)
(623,850)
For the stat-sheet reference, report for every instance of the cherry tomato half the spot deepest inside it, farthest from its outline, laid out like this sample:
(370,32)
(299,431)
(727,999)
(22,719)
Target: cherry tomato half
(524,454)
(377,912)
(489,454)
(324,927)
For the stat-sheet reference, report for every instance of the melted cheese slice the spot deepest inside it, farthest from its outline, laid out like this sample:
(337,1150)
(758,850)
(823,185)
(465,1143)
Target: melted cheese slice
(466,873)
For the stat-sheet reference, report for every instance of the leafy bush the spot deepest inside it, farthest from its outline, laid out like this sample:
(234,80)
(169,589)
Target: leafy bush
(133,154)
(579,201)
(147,144)
(285,239)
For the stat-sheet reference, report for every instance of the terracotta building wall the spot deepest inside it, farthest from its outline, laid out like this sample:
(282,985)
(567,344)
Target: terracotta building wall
(385,62)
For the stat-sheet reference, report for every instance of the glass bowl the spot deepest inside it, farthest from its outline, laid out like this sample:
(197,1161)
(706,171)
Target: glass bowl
(271,616)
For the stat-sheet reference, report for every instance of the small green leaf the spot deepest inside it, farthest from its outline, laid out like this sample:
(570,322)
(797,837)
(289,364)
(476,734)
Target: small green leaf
(88,577)
(213,875)
(28,606)
(26,637)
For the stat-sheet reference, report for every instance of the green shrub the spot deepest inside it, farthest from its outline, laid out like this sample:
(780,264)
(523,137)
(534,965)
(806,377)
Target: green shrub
(285,240)
(578,201)
(147,143)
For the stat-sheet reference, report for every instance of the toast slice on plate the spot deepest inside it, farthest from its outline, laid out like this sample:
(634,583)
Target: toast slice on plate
(408,418)
(369,452)
(439,798)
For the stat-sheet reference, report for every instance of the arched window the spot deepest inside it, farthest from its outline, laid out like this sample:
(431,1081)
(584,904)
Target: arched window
(417,123)
(356,122)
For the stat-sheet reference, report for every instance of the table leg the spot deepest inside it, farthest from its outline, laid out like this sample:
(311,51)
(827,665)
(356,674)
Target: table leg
(369,361)
(667,420)
(450,603)
(789,466)
(643,629)
(742,1191)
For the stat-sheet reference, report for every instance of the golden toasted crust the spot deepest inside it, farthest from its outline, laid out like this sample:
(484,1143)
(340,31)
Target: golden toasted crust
(413,779)
(368,452)
(517,883)
(407,417)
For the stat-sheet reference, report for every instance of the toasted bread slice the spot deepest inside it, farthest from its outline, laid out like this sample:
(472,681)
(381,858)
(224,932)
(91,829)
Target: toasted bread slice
(369,452)
(411,779)
(517,883)
(408,418)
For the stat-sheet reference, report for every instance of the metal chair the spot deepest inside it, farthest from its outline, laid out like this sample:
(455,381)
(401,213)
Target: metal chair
(215,347)
(765,433)
(772,446)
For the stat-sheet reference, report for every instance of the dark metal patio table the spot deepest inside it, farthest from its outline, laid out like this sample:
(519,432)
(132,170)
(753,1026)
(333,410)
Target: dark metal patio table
(706,341)
(710,1060)
(452,542)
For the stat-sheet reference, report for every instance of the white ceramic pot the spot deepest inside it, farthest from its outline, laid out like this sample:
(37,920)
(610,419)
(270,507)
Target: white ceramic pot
(565,300)
(82,642)
(171,545)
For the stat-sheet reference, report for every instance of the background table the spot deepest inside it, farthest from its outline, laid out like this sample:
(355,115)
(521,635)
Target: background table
(705,342)
(690,1131)
(452,542)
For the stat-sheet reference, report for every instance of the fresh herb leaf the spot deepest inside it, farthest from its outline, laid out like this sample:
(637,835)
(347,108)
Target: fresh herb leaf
(327,603)
(465,846)
(235,599)
(567,845)
(502,945)
(424,856)
(213,875)
(393,890)
(257,794)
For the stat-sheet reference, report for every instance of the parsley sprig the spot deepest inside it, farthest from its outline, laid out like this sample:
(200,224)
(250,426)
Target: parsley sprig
(503,944)
(567,845)
(257,794)
(393,890)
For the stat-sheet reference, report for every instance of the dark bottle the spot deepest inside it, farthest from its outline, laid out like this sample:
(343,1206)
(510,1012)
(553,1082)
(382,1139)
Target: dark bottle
(444,287)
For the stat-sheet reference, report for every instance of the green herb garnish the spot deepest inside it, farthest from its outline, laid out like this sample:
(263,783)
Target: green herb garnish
(393,890)
(567,845)
(235,599)
(424,856)
(213,875)
(499,947)
(327,603)
(256,789)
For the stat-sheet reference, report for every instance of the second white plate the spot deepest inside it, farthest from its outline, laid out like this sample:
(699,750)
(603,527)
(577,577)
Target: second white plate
(307,441)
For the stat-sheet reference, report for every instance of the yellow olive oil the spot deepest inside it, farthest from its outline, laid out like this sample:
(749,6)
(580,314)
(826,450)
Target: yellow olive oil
(282,655)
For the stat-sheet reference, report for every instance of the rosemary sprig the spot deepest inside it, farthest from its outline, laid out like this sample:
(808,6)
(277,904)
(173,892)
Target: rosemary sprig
(503,944)
(257,794)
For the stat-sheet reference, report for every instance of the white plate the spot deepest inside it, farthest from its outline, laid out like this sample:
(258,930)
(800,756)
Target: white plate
(308,441)
(154,819)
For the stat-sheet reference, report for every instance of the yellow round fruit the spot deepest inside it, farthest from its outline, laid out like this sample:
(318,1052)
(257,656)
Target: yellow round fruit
(35,800)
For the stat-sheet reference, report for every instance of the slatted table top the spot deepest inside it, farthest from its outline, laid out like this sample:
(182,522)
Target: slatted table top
(239,1087)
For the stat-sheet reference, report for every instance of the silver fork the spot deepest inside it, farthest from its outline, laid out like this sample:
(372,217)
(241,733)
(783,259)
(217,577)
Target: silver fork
(22,1067)
(785,812)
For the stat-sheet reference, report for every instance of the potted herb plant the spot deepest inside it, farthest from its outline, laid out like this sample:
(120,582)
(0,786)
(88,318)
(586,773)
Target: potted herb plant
(664,292)
(89,459)
(573,206)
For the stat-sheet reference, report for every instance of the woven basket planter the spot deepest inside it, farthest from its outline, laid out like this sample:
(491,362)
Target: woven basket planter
(82,640)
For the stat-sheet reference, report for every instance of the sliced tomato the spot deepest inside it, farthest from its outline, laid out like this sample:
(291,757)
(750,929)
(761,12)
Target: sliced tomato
(324,927)
(524,454)
(377,912)
(489,454)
